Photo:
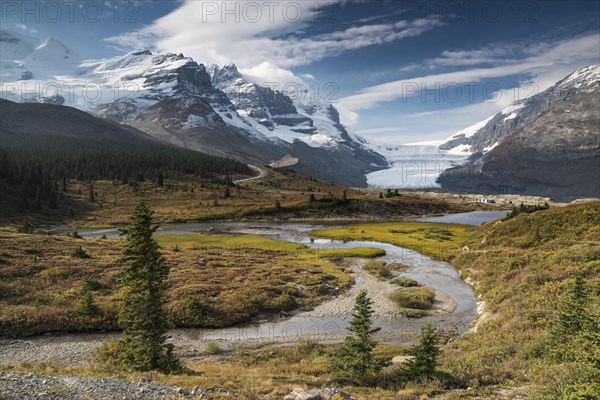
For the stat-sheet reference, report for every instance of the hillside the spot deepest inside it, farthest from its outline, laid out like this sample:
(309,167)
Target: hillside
(522,269)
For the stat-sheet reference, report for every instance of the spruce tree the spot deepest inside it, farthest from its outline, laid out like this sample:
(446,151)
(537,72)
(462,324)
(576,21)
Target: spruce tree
(356,360)
(143,279)
(88,306)
(572,316)
(573,319)
(424,354)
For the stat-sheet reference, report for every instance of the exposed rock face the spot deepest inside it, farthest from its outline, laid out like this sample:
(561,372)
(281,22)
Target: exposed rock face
(488,133)
(555,154)
(270,108)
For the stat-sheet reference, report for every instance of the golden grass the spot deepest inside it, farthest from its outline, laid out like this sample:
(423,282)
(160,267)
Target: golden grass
(194,200)
(437,240)
(215,280)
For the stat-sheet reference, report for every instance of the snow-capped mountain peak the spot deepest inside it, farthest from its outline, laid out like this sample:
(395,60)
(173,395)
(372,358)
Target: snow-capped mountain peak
(178,100)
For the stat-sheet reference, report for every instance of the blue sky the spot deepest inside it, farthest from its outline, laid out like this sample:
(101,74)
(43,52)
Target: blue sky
(398,71)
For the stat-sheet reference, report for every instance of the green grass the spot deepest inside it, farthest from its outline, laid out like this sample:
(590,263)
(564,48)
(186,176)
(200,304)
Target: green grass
(301,252)
(215,281)
(418,298)
(271,371)
(437,240)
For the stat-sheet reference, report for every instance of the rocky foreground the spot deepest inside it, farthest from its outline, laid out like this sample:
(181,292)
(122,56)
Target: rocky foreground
(20,386)
(30,386)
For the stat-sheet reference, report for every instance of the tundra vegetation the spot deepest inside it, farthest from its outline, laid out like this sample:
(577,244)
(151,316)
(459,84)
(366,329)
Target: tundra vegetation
(535,273)
(215,280)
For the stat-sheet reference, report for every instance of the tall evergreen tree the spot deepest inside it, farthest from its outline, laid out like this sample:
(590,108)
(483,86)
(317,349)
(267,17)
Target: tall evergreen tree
(356,360)
(572,316)
(143,279)
(424,354)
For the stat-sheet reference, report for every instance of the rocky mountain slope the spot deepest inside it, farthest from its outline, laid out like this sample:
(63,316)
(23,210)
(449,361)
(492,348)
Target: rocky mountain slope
(553,149)
(177,100)
(483,136)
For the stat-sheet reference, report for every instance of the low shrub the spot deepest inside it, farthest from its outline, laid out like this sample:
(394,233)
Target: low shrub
(213,348)
(413,297)
(405,282)
(79,252)
(378,268)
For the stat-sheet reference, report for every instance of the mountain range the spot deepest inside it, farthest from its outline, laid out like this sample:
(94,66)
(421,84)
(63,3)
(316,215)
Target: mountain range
(218,110)
(176,100)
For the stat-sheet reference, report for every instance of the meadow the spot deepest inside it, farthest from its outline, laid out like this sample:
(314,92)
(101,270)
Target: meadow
(215,281)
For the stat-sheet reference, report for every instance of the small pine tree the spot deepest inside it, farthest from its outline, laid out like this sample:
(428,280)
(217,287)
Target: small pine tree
(312,198)
(227,193)
(143,279)
(345,196)
(88,306)
(356,360)
(160,181)
(381,195)
(277,205)
(79,252)
(424,354)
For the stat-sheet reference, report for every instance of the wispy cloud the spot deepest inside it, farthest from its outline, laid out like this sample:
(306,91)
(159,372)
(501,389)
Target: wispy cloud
(229,31)
(544,62)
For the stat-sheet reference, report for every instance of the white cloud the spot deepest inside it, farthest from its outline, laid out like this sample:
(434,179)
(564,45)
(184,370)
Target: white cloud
(251,33)
(265,42)
(545,68)
(267,74)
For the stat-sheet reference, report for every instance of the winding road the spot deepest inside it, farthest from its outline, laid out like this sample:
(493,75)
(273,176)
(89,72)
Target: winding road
(261,174)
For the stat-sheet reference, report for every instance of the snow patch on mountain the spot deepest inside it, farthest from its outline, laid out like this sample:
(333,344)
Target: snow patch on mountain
(301,116)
